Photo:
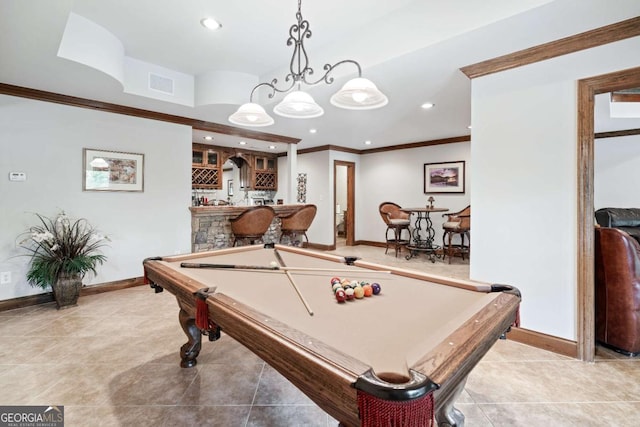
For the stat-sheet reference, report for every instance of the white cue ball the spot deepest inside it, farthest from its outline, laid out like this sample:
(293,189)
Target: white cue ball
(273,264)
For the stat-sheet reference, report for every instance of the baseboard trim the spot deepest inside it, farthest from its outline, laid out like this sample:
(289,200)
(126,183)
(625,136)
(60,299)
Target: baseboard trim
(370,243)
(31,300)
(545,342)
(320,247)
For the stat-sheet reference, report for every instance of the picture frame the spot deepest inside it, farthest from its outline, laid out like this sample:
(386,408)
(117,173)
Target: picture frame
(105,170)
(229,187)
(444,177)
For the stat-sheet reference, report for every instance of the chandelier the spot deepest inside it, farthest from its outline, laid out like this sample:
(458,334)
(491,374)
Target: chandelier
(356,94)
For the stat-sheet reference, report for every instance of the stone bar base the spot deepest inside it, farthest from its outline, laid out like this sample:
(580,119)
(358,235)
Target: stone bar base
(211,229)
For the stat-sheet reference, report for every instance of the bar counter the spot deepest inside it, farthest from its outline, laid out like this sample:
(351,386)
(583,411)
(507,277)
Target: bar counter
(211,229)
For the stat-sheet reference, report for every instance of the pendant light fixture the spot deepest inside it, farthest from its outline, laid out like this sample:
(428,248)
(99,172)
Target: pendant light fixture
(356,94)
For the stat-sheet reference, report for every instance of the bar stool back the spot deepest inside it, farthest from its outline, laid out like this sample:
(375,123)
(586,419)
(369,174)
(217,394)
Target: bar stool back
(396,221)
(458,223)
(298,223)
(252,224)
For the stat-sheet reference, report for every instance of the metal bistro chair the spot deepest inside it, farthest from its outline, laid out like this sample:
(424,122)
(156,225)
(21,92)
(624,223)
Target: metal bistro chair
(298,223)
(252,224)
(396,221)
(458,223)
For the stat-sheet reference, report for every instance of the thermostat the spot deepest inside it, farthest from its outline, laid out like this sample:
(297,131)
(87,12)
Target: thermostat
(17,176)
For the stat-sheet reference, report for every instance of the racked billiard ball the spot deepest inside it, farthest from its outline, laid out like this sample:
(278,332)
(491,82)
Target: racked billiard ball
(368,290)
(358,292)
(375,287)
(349,293)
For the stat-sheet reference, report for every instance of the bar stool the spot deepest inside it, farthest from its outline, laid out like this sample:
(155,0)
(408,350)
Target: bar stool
(298,223)
(396,221)
(252,224)
(458,223)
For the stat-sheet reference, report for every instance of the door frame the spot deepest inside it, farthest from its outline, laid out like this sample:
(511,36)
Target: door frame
(587,90)
(351,194)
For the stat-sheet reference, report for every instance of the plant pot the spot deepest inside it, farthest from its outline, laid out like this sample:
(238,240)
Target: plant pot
(66,290)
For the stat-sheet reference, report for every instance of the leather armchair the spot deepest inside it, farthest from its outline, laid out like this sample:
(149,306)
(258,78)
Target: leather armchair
(617,299)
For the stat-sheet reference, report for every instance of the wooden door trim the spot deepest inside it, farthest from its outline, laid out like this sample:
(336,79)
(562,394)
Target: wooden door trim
(350,217)
(587,90)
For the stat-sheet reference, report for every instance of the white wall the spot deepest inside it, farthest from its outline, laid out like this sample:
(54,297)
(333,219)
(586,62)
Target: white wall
(341,189)
(398,176)
(616,177)
(319,193)
(393,175)
(524,180)
(45,140)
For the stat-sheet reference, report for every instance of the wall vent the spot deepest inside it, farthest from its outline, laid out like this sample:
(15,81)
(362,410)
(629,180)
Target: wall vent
(161,84)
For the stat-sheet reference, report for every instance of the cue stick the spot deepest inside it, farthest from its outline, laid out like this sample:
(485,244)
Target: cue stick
(293,283)
(282,268)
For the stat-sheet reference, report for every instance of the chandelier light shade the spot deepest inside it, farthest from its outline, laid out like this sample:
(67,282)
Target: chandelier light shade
(357,94)
(298,105)
(251,114)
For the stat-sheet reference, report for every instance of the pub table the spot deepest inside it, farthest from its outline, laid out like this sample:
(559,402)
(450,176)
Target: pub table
(420,243)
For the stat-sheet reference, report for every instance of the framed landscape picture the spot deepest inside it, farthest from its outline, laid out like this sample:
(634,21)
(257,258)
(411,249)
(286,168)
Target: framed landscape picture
(447,177)
(112,171)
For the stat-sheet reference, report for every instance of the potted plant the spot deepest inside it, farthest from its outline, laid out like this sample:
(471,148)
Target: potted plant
(62,251)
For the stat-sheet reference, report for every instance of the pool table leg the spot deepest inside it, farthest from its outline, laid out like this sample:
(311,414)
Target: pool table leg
(448,415)
(190,350)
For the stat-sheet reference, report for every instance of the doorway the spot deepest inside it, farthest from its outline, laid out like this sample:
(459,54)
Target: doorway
(344,203)
(587,90)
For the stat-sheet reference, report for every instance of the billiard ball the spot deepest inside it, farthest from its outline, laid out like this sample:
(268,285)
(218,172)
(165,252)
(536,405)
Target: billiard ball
(349,293)
(336,286)
(340,295)
(375,287)
(334,280)
(368,290)
(358,292)
(273,264)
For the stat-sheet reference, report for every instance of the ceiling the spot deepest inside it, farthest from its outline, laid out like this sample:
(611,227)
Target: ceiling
(412,50)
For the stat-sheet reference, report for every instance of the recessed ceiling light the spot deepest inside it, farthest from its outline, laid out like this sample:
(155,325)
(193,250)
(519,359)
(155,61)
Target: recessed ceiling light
(208,137)
(367,142)
(272,147)
(427,105)
(313,130)
(469,127)
(243,143)
(210,24)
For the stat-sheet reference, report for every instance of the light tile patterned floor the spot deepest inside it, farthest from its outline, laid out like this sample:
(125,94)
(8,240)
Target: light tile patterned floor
(113,361)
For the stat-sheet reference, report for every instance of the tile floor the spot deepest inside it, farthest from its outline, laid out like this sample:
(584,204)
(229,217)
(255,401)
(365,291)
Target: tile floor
(113,361)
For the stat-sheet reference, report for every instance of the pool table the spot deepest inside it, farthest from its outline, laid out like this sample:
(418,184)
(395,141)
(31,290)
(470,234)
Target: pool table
(414,342)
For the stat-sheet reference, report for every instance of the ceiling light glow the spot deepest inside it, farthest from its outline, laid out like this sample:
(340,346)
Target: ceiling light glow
(210,24)
(428,105)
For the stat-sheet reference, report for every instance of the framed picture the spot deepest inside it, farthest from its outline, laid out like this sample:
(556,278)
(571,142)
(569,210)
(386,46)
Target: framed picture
(447,177)
(229,187)
(112,171)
